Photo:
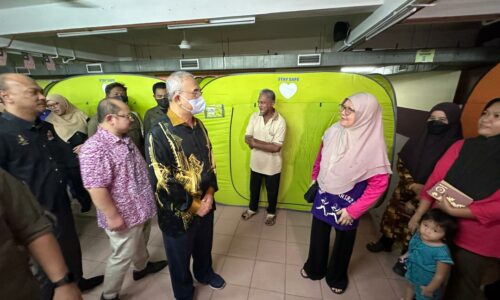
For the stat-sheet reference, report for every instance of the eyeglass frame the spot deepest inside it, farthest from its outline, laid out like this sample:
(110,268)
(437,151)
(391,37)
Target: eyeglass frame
(347,109)
(196,93)
(50,107)
(128,116)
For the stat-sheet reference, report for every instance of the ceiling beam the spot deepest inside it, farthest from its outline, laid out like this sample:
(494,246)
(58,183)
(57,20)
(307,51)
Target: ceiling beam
(34,48)
(452,57)
(457,10)
(390,13)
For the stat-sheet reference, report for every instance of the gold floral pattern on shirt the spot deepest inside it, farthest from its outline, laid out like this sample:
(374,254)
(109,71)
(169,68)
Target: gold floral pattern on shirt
(187,172)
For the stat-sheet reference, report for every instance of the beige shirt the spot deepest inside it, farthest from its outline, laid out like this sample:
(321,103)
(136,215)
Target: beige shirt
(273,132)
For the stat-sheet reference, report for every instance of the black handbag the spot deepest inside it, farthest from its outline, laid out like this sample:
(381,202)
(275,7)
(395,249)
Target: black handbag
(311,192)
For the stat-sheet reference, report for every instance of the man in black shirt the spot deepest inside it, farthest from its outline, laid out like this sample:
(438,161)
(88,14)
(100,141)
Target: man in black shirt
(31,151)
(118,91)
(153,115)
(182,172)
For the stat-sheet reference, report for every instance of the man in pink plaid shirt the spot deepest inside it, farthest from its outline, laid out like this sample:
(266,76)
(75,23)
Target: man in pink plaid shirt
(115,174)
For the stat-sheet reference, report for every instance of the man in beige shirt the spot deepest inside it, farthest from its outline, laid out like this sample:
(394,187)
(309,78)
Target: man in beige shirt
(265,135)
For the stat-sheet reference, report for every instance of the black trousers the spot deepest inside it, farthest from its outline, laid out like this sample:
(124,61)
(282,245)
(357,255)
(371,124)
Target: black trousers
(317,265)
(78,190)
(65,233)
(196,243)
(272,187)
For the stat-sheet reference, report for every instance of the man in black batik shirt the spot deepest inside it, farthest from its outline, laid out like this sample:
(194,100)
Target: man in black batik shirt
(182,172)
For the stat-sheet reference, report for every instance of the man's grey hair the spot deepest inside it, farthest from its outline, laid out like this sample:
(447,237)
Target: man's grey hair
(6,77)
(107,106)
(269,94)
(174,83)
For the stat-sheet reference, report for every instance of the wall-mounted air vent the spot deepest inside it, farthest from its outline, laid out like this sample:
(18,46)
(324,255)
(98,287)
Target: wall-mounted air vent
(309,60)
(94,68)
(189,64)
(23,70)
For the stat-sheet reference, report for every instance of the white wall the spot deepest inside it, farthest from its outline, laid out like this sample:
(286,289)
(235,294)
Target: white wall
(424,90)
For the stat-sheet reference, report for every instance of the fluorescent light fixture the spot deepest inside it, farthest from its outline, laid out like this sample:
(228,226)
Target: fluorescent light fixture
(387,24)
(245,20)
(91,32)
(215,22)
(382,25)
(360,70)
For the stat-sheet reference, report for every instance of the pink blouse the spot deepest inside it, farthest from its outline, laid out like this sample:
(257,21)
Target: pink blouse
(482,234)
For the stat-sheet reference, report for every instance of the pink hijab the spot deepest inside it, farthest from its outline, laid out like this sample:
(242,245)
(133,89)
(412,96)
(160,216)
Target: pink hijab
(351,155)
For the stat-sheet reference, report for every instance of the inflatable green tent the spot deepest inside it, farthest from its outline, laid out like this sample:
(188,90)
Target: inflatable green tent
(308,101)
(87,90)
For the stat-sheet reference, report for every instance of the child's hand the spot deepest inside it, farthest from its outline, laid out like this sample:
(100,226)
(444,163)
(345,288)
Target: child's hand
(426,292)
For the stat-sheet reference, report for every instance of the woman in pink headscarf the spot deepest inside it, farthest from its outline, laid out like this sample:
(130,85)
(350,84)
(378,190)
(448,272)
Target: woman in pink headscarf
(352,171)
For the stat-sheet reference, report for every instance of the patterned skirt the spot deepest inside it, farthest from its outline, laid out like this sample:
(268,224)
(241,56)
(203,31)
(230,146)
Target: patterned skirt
(400,209)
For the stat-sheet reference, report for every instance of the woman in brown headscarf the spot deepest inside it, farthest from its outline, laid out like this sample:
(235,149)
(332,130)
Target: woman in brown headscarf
(70,124)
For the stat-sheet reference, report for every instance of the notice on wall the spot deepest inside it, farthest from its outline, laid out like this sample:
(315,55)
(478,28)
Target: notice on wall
(29,62)
(3,57)
(49,63)
(425,56)
(213,111)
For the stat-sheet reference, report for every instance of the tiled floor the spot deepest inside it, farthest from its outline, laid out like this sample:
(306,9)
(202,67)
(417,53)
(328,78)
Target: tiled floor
(258,262)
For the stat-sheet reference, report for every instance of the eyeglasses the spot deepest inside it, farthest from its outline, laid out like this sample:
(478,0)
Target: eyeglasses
(195,93)
(128,116)
(53,106)
(347,109)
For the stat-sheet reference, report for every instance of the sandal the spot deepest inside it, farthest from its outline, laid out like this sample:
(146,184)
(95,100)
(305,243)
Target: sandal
(400,267)
(247,214)
(303,273)
(337,291)
(270,220)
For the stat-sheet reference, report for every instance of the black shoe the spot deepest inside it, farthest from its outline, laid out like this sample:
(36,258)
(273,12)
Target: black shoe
(400,267)
(383,244)
(151,267)
(85,206)
(492,290)
(115,298)
(89,283)
(216,282)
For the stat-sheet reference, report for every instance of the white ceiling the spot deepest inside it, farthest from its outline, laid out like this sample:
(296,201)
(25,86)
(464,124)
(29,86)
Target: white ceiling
(293,26)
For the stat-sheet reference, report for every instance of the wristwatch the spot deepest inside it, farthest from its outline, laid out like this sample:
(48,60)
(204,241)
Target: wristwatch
(68,278)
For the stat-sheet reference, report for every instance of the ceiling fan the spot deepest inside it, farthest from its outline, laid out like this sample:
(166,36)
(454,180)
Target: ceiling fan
(184,45)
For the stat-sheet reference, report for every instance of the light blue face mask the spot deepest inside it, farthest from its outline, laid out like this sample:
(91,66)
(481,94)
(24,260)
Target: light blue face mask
(198,105)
